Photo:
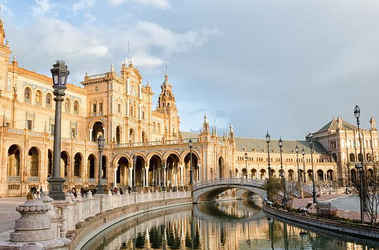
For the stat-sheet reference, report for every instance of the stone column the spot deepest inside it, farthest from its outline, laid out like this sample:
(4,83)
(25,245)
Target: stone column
(164,174)
(130,181)
(115,178)
(147,175)
(90,134)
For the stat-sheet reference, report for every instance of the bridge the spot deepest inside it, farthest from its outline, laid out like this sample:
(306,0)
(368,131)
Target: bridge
(209,189)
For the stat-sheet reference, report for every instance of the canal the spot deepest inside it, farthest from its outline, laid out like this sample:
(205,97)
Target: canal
(228,225)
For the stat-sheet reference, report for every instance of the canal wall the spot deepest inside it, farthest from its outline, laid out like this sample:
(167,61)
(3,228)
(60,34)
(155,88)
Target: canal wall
(326,225)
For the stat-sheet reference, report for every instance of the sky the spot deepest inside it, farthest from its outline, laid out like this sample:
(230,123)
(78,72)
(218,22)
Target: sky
(286,66)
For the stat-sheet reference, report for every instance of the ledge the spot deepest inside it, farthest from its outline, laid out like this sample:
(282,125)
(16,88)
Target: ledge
(347,231)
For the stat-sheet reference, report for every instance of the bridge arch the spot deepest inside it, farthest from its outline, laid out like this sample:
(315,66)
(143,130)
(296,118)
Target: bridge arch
(212,188)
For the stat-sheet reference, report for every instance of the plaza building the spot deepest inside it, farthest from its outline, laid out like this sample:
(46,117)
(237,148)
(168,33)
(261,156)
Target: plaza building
(145,146)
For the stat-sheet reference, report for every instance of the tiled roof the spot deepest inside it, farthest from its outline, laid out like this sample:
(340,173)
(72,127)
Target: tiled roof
(332,125)
(260,145)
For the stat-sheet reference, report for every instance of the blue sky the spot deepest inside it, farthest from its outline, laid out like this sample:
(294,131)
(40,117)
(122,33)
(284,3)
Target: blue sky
(289,66)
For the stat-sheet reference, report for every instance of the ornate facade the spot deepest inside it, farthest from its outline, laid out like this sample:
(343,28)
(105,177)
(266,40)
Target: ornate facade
(144,144)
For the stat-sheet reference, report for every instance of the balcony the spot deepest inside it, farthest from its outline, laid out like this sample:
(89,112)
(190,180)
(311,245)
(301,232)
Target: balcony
(92,181)
(77,179)
(14,179)
(156,143)
(34,179)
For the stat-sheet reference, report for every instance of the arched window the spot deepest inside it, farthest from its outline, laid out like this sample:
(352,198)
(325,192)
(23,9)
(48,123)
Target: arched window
(76,107)
(48,100)
(38,97)
(28,95)
(352,157)
(67,105)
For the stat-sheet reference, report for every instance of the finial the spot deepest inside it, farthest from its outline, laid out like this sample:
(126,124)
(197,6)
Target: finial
(112,68)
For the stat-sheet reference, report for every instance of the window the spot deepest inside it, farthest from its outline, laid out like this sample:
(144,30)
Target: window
(38,97)
(27,95)
(76,107)
(48,100)
(73,132)
(94,108)
(51,129)
(101,108)
(29,124)
(67,105)
(143,115)
(119,108)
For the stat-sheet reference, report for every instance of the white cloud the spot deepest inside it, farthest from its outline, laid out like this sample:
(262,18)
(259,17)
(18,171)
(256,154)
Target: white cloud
(42,6)
(162,4)
(83,4)
(147,61)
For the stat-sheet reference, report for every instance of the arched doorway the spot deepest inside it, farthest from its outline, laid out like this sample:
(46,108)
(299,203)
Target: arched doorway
(33,161)
(118,135)
(172,168)
(310,173)
(49,163)
(64,163)
(155,173)
(220,168)
(320,175)
(122,172)
(14,161)
(91,166)
(302,175)
(97,129)
(187,167)
(370,174)
(273,173)
(352,157)
(78,165)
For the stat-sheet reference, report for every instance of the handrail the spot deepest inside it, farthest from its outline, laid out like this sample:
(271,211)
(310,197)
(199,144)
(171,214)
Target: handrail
(226,181)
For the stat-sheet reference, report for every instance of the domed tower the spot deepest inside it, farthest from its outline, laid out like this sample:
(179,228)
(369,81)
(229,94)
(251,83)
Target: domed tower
(167,107)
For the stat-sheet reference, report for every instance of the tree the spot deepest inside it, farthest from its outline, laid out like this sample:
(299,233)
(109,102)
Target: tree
(372,199)
(273,187)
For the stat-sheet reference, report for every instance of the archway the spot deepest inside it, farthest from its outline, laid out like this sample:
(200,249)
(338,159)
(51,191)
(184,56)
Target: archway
(352,157)
(14,160)
(310,173)
(91,166)
(33,161)
(273,173)
(97,129)
(320,175)
(290,175)
(360,157)
(155,171)
(78,165)
(244,173)
(370,174)
(221,167)
(139,172)
(187,164)
(329,175)
(172,168)
(253,173)
(49,163)
(263,173)
(302,176)
(118,135)
(64,163)
(122,172)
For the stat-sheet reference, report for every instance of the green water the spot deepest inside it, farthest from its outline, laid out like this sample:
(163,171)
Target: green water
(223,225)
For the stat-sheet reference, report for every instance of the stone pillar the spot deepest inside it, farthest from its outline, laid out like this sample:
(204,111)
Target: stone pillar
(90,134)
(164,174)
(130,181)
(147,175)
(115,178)
(176,176)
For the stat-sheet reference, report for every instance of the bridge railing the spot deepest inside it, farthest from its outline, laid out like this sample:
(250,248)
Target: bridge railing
(225,181)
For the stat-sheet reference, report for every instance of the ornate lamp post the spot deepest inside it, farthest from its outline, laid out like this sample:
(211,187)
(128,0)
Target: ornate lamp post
(191,171)
(298,171)
(100,145)
(60,74)
(313,172)
(268,155)
(304,166)
(282,172)
(359,166)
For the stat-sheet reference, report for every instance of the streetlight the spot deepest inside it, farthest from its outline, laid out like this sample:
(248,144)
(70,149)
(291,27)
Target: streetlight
(100,145)
(282,172)
(313,172)
(60,74)
(304,166)
(190,147)
(357,113)
(268,155)
(298,170)
(246,163)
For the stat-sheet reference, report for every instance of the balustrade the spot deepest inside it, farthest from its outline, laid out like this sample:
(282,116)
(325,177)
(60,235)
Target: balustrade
(226,181)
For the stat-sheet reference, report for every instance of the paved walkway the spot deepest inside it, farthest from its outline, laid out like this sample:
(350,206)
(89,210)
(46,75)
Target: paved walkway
(8,215)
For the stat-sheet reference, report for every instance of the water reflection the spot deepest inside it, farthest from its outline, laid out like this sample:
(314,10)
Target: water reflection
(222,225)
